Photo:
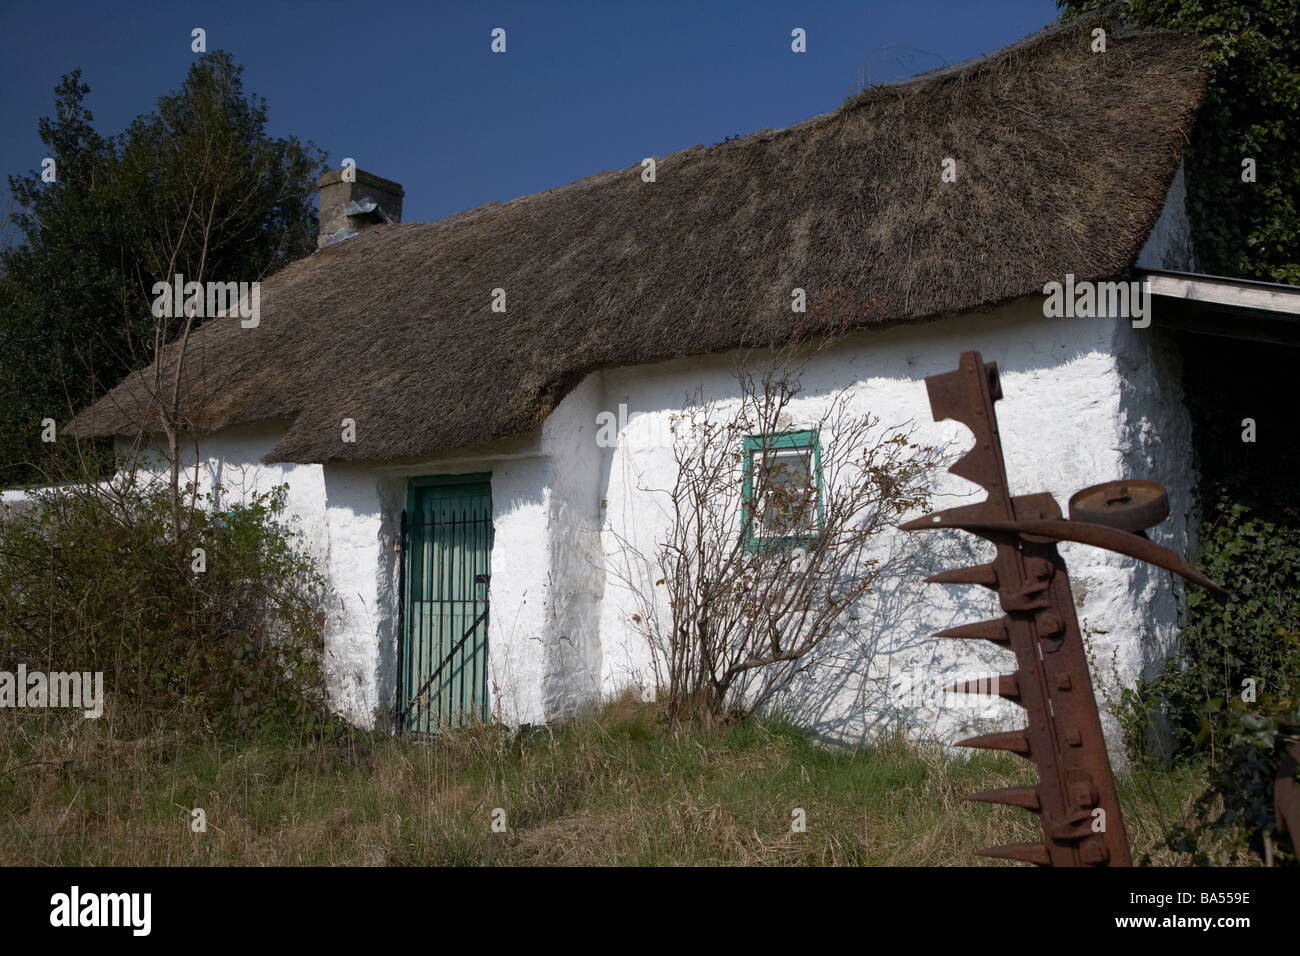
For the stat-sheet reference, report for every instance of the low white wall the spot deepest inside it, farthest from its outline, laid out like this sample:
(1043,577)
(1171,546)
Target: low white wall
(231,460)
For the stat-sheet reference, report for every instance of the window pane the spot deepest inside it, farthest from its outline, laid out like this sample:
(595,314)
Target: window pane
(786,492)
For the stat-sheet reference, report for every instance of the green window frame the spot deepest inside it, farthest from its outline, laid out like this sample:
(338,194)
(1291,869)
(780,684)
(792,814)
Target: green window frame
(766,444)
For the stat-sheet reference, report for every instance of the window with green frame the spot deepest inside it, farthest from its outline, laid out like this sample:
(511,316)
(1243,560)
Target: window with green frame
(783,490)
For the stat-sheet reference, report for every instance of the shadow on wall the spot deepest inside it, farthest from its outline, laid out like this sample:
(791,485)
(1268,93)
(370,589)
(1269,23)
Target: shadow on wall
(865,683)
(870,673)
(392,501)
(517,597)
(854,692)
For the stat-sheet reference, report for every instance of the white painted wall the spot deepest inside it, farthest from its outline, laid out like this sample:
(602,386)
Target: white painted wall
(1170,244)
(231,459)
(348,517)
(1086,400)
(352,640)
(576,565)
(1132,609)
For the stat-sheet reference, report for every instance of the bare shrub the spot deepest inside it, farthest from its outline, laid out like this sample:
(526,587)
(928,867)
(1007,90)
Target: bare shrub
(772,518)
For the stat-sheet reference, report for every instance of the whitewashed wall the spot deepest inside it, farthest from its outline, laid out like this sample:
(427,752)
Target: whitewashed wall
(1086,400)
(348,518)
(543,662)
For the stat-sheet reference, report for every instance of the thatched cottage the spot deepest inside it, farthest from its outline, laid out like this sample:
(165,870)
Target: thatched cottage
(473,358)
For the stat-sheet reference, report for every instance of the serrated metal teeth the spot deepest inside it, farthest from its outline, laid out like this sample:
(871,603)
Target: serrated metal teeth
(1016,741)
(996,630)
(1035,853)
(1000,685)
(976,574)
(1024,797)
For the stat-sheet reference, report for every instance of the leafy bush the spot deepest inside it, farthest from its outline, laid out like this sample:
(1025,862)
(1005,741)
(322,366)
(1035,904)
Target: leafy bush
(1231,694)
(95,576)
(1238,804)
(1250,636)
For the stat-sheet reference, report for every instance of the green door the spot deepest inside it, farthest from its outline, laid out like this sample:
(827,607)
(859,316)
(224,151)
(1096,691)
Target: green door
(446,569)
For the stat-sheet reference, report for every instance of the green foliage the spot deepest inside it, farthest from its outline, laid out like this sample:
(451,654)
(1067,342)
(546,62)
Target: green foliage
(1245,647)
(1249,543)
(1251,636)
(619,787)
(196,186)
(1137,711)
(95,577)
(1237,806)
(1252,50)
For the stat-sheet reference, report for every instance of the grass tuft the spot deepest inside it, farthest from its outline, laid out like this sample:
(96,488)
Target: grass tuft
(616,788)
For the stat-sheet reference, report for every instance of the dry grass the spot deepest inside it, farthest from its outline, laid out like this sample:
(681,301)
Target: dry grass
(614,789)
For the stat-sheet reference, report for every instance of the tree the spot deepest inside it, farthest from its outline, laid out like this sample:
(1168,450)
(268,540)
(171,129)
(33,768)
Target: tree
(196,186)
(54,277)
(1252,51)
(768,540)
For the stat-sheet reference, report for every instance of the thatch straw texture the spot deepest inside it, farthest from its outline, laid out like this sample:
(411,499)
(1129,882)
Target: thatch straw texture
(1064,158)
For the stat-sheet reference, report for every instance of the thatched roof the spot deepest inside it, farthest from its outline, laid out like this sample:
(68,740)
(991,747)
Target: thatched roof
(1064,158)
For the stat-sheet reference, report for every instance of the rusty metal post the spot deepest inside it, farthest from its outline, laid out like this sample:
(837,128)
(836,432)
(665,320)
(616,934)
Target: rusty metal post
(1075,797)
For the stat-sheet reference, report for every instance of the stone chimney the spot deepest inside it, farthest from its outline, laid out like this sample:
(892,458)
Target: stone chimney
(347,208)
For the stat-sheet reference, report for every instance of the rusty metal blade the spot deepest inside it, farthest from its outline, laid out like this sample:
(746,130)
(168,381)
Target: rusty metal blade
(977,574)
(994,630)
(1015,741)
(966,395)
(1063,737)
(1058,529)
(1024,797)
(1034,507)
(1003,685)
(1035,853)
(954,517)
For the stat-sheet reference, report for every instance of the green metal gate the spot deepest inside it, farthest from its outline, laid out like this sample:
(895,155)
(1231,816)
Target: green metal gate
(447,535)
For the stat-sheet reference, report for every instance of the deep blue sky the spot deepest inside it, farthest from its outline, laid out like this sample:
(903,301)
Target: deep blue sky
(413,93)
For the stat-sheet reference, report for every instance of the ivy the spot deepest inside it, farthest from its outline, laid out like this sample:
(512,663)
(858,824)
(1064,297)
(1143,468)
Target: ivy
(1233,691)
(1251,49)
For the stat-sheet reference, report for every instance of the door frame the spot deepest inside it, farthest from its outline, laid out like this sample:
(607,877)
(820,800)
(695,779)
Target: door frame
(413,486)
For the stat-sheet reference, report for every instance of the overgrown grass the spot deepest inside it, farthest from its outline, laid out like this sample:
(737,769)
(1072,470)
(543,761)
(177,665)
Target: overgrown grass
(617,788)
